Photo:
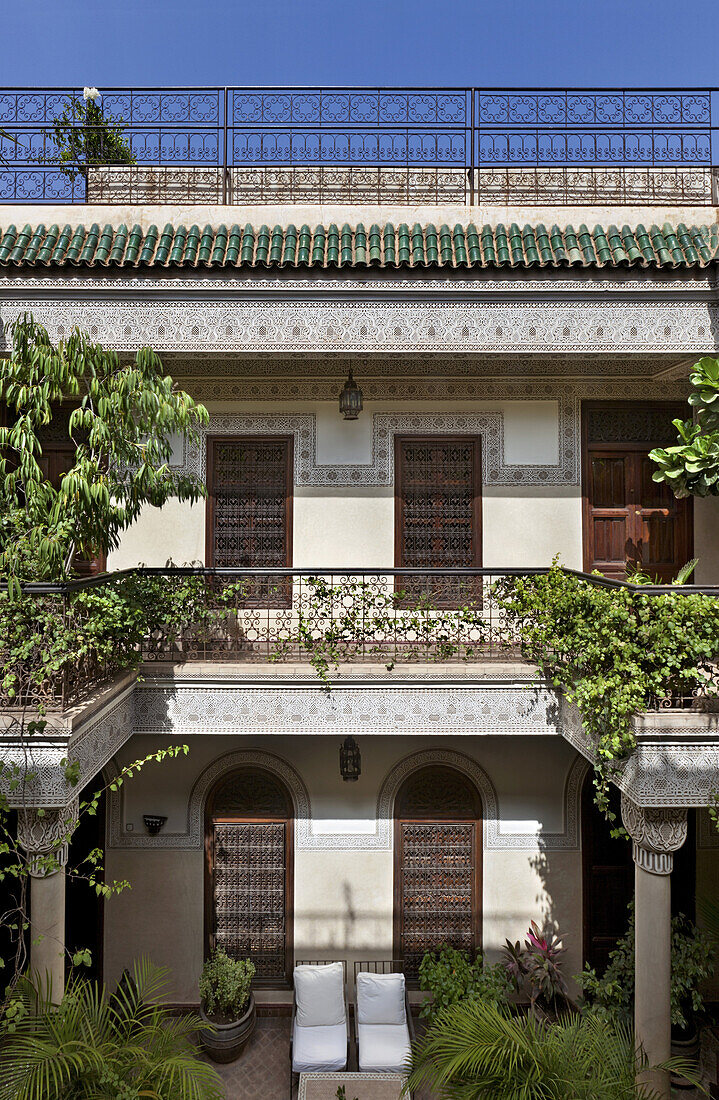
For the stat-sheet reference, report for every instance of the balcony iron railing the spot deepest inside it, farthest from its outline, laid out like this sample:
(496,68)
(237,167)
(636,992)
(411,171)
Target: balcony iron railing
(265,145)
(321,616)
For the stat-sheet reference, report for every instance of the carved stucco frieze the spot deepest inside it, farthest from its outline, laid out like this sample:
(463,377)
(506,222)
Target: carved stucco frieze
(380,469)
(656,834)
(91,748)
(43,833)
(364,326)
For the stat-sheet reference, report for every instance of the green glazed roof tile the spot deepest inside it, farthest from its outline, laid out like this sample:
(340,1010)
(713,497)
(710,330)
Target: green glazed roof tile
(352,246)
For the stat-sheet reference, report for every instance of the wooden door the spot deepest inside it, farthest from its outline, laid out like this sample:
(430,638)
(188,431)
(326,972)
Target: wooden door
(438,513)
(437,884)
(630,521)
(249,511)
(249,893)
(249,872)
(608,879)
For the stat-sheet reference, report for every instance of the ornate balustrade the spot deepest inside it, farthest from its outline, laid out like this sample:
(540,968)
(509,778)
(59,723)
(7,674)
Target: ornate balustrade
(70,637)
(360,145)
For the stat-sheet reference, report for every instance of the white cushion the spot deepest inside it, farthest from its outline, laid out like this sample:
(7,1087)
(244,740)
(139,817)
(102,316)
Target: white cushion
(380,998)
(319,993)
(319,1048)
(383,1047)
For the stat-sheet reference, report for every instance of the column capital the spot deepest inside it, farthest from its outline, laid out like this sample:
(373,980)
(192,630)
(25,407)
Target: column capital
(41,834)
(656,834)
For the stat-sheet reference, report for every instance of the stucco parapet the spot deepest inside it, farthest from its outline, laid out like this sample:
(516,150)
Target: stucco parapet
(206,673)
(68,722)
(149,214)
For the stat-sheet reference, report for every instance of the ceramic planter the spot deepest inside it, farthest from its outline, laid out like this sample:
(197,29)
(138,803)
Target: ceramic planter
(225,1042)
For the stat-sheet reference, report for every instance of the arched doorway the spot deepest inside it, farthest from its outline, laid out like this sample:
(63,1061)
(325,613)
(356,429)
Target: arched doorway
(608,877)
(437,864)
(249,820)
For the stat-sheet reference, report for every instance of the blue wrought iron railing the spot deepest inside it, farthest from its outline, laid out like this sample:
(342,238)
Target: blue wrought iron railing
(244,145)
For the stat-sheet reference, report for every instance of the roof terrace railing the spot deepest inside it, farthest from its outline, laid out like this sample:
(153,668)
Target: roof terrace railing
(235,145)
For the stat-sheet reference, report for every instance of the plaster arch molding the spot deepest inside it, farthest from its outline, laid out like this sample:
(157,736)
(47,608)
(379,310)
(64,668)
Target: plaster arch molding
(381,839)
(231,761)
(449,758)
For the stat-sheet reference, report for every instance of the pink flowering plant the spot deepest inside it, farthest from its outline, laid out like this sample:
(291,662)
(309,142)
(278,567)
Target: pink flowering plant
(536,966)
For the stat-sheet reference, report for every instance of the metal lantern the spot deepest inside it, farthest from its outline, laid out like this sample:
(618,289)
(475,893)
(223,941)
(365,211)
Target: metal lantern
(153,823)
(350,760)
(350,399)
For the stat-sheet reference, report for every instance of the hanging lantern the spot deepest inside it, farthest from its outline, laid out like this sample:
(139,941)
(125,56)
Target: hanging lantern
(350,399)
(350,760)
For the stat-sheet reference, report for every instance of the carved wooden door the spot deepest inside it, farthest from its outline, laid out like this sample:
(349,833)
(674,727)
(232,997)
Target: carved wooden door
(248,899)
(438,511)
(437,865)
(437,869)
(249,896)
(631,521)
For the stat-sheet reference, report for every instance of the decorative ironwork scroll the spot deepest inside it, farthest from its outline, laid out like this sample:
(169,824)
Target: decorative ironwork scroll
(246,145)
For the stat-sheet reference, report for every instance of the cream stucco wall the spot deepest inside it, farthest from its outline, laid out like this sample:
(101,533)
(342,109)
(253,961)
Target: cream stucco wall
(354,526)
(343,897)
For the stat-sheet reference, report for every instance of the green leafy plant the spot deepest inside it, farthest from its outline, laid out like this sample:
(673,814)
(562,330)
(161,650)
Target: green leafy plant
(691,467)
(537,965)
(94,1045)
(341,1093)
(122,421)
(474,1050)
(225,985)
(84,134)
(452,976)
(613,652)
(693,954)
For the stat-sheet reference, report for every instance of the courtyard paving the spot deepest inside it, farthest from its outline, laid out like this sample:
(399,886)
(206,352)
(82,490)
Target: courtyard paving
(262,1072)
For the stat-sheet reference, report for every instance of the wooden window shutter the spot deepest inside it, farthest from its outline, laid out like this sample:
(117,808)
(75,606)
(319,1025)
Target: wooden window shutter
(250,505)
(438,501)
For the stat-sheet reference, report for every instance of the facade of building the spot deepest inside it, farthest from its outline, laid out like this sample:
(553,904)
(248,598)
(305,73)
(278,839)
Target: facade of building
(517,363)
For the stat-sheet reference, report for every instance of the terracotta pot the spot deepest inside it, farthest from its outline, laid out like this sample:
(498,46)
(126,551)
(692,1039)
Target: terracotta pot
(224,1042)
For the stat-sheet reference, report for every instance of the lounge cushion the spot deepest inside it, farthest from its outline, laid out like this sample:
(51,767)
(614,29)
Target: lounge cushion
(319,1048)
(383,1047)
(380,998)
(319,993)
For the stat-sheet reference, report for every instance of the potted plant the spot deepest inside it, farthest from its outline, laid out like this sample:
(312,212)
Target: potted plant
(227,1005)
(535,967)
(692,954)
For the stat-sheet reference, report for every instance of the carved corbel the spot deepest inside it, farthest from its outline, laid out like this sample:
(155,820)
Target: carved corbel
(656,834)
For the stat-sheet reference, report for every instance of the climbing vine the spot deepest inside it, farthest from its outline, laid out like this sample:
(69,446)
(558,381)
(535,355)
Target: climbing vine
(613,652)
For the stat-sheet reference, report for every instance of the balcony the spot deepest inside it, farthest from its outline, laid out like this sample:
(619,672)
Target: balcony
(375,146)
(319,619)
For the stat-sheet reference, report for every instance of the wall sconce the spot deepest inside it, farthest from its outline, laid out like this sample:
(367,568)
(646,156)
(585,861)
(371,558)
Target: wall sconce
(153,823)
(350,760)
(350,399)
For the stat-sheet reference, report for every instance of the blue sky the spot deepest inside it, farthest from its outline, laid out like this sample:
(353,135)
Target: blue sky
(478,42)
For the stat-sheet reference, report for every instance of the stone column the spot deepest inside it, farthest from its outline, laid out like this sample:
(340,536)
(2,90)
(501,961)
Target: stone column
(656,835)
(42,835)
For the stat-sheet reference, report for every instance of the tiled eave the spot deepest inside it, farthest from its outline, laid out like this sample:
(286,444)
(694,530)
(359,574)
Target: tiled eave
(424,248)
